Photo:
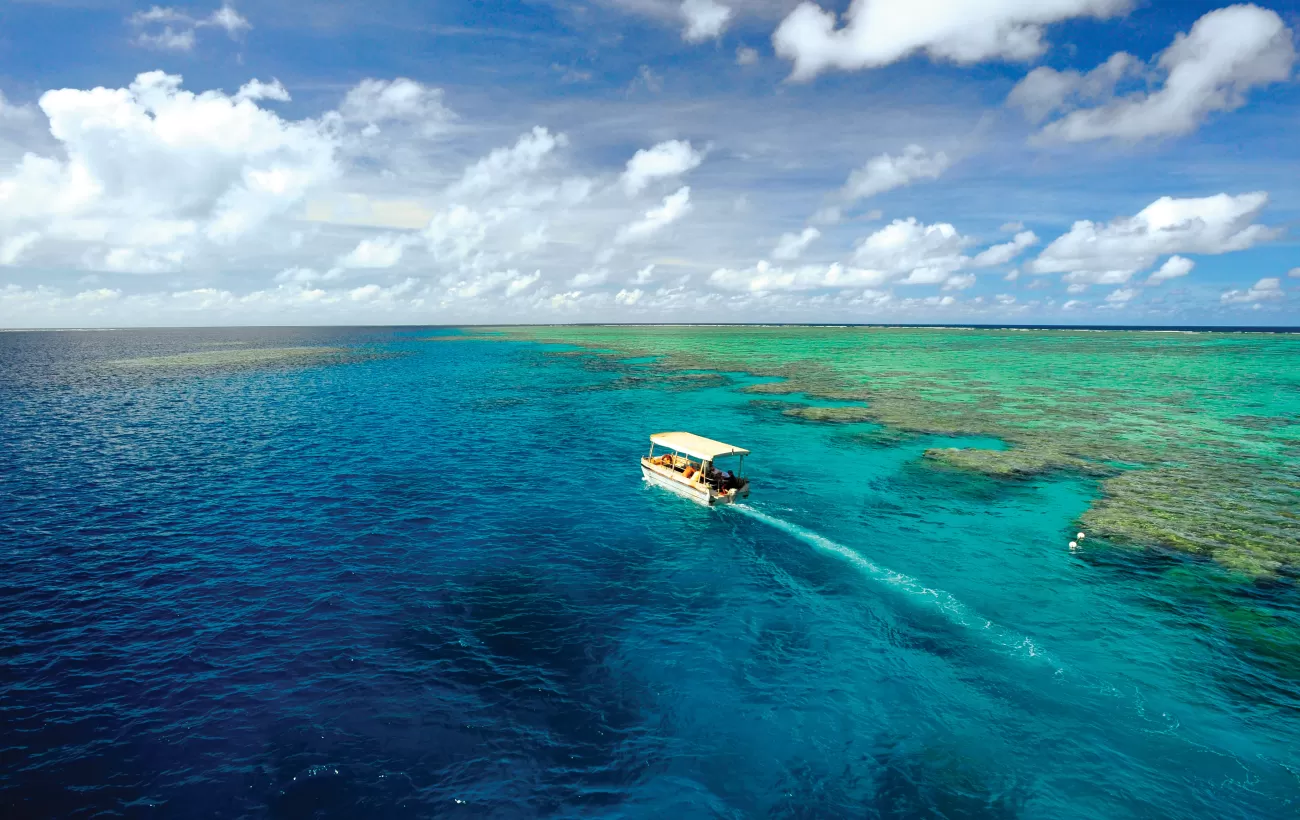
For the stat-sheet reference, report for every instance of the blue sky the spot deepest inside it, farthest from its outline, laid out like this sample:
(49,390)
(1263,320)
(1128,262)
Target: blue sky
(1056,161)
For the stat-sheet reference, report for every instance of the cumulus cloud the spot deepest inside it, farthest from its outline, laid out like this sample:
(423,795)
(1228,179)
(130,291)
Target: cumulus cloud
(1121,296)
(763,277)
(169,29)
(880,32)
(674,207)
(1110,253)
(905,252)
(375,104)
(1227,53)
(134,260)
(376,252)
(255,90)
(147,171)
(746,55)
(1045,90)
(504,165)
(705,20)
(1174,267)
(627,297)
(923,254)
(885,172)
(666,160)
(588,278)
(1005,252)
(1294,272)
(510,283)
(1264,290)
(792,245)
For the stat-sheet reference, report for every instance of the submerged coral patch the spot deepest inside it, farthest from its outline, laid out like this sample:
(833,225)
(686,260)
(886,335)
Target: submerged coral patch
(1194,435)
(231,358)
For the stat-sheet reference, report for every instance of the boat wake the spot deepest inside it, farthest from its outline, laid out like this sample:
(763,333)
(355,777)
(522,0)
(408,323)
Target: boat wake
(951,608)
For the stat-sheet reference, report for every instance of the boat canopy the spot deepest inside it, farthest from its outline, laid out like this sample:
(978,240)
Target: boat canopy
(692,445)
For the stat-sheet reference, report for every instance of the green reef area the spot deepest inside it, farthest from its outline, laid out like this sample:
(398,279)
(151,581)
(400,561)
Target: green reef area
(1195,437)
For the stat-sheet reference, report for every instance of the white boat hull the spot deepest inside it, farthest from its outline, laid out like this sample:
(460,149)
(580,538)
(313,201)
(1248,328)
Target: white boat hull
(699,493)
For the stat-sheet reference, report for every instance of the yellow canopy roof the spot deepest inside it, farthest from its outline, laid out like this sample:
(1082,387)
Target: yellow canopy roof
(698,446)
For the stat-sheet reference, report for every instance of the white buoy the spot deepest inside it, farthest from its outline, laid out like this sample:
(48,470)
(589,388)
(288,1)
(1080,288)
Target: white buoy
(1080,536)
(1074,545)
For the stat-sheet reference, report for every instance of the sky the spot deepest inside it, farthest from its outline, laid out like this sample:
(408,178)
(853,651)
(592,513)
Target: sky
(1082,162)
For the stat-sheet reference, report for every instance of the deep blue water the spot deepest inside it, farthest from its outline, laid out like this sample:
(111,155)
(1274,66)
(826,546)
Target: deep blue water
(434,584)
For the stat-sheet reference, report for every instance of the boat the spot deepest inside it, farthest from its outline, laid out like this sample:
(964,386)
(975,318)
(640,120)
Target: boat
(688,468)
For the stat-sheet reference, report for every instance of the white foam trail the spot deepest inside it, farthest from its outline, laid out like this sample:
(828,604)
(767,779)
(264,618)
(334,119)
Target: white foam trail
(951,608)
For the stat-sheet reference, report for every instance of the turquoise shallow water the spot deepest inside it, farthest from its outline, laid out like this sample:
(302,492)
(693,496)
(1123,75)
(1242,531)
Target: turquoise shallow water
(434,584)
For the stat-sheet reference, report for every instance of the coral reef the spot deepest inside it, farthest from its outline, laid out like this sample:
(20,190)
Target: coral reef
(1196,436)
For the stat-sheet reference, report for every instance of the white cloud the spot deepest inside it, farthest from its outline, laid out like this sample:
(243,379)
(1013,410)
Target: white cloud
(705,20)
(829,215)
(1174,267)
(227,18)
(646,78)
(925,254)
(905,252)
(885,173)
(98,295)
(1080,280)
(504,166)
(879,32)
(643,275)
(1264,290)
(746,56)
(508,282)
(1004,253)
(588,278)
(664,161)
(674,207)
(170,29)
(1228,52)
(13,248)
(1012,227)
(792,245)
(305,276)
(257,90)
(1102,253)
(376,252)
(763,278)
(456,234)
(1046,90)
(167,39)
(145,173)
(628,297)
(378,103)
(1012,276)
(1294,272)
(134,260)
(1121,296)
(518,284)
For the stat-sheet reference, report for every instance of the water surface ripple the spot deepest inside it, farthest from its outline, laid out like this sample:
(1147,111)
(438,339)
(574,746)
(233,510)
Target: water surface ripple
(427,580)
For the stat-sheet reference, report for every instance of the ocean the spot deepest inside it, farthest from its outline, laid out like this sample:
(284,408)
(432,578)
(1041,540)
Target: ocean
(415,572)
